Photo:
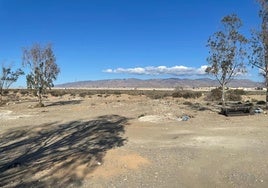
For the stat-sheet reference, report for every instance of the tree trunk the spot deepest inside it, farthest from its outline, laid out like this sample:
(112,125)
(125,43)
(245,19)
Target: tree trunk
(39,99)
(266,84)
(1,93)
(223,95)
(266,96)
(266,80)
(40,104)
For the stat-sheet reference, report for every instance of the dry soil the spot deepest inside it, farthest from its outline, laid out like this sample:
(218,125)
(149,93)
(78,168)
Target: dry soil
(130,141)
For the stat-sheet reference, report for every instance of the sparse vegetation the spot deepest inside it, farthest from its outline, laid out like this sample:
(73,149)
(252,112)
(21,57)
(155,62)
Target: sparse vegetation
(83,94)
(260,102)
(43,67)
(231,95)
(188,103)
(69,117)
(24,92)
(259,45)
(157,94)
(58,92)
(227,53)
(7,78)
(186,94)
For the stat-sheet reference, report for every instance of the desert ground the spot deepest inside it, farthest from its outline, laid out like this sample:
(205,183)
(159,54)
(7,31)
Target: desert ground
(123,141)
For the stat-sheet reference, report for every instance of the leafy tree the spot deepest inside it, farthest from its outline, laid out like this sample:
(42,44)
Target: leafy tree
(7,78)
(259,45)
(43,68)
(227,51)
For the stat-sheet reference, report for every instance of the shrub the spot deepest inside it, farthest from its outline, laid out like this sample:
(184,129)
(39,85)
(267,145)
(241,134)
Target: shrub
(117,93)
(83,94)
(186,94)
(24,92)
(177,94)
(57,93)
(261,103)
(192,94)
(106,95)
(214,95)
(230,95)
(238,91)
(15,91)
(5,92)
(188,103)
(157,94)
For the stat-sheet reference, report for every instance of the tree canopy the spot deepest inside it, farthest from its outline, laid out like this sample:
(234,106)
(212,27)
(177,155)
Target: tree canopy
(227,52)
(43,68)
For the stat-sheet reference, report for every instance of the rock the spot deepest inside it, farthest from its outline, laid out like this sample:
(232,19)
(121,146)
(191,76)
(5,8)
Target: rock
(185,118)
(258,110)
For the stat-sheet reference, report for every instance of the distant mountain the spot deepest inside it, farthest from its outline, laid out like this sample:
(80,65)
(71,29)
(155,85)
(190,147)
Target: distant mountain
(158,83)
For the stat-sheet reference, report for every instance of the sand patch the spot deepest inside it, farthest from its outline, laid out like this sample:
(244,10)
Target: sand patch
(117,162)
(221,141)
(7,115)
(159,118)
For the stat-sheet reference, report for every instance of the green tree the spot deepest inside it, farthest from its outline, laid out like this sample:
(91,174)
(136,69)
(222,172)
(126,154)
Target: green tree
(43,68)
(7,78)
(227,52)
(259,45)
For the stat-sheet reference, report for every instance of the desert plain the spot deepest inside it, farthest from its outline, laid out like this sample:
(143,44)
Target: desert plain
(122,140)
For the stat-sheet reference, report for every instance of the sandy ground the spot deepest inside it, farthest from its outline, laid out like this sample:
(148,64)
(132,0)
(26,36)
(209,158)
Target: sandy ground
(130,141)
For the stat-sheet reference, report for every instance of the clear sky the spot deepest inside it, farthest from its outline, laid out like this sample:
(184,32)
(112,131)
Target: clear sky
(106,39)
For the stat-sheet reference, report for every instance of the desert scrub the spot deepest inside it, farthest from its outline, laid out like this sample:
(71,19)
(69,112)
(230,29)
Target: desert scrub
(230,95)
(24,92)
(117,93)
(234,95)
(260,102)
(188,103)
(84,94)
(186,94)
(57,93)
(156,94)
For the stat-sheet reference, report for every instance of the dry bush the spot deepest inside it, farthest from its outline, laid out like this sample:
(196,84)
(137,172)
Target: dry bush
(85,93)
(156,94)
(234,95)
(214,95)
(188,103)
(186,94)
(24,92)
(57,92)
(261,103)
(231,95)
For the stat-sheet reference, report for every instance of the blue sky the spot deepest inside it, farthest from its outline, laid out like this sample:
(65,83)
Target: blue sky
(106,39)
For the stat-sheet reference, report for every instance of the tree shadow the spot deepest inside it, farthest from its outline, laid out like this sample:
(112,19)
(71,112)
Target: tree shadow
(61,103)
(197,106)
(54,155)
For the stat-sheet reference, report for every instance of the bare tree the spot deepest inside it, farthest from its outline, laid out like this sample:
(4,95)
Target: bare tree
(227,51)
(43,68)
(7,78)
(259,45)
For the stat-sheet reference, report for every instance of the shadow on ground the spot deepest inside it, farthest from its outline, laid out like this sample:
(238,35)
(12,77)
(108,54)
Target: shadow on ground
(54,155)
(61,103)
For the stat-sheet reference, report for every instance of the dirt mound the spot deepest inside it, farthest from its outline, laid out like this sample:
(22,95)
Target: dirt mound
(159,118)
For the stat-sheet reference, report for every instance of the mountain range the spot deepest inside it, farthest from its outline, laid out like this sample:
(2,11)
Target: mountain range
(158,83)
